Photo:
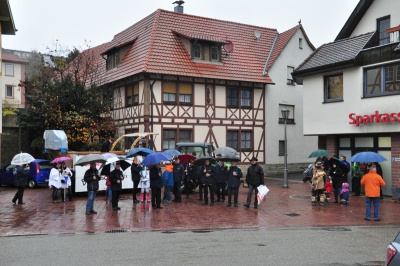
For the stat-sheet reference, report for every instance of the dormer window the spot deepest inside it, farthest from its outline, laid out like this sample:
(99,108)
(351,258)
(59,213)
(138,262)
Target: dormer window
(197,51)
(215,53)
(112,59)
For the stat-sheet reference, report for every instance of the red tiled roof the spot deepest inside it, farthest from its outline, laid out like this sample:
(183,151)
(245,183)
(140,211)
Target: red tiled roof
(158,48)
(13,58)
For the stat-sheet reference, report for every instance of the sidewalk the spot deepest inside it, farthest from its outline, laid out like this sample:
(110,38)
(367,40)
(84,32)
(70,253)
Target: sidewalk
(288,207)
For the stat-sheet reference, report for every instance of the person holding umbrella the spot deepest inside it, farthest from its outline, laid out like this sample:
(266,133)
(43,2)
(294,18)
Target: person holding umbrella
(156,184)
(221,174)
(179,173)
(21,181)
(55,181)
(92,178)
(372,182)
(116,177)
(67,174)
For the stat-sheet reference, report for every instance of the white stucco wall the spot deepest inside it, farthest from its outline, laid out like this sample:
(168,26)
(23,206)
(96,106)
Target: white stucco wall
(14,81)
(299,146)
(335,116)
(378,9)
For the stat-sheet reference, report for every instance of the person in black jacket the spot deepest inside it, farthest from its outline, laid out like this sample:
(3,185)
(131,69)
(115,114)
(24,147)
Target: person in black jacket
(21,181)
(179,173)
(254,177)
(234,175)
(116,177)
(207,172)
(136,168)
(221,172)
(156,185)
(190,178)
(92,178)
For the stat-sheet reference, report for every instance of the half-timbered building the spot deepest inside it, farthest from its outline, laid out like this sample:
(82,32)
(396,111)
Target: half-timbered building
(198,79)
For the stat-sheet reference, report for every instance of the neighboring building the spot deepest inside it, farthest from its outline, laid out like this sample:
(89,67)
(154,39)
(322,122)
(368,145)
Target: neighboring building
(206,80)
(7,27)
(352,88)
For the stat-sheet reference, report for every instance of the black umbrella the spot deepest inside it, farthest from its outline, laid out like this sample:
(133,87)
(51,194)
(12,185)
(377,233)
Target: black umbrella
(105,169)
(338,163)
(201,161)
(91,158)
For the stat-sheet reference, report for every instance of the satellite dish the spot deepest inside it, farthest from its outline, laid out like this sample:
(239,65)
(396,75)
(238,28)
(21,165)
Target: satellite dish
(228,47)
(257,34)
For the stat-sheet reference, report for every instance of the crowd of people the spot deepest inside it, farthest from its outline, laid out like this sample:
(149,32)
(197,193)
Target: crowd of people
(330,176)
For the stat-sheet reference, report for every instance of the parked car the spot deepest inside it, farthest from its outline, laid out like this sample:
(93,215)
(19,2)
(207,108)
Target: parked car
(38,174)
(393,254)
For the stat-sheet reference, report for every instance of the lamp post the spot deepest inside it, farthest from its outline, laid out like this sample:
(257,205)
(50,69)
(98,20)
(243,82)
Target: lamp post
(285,116)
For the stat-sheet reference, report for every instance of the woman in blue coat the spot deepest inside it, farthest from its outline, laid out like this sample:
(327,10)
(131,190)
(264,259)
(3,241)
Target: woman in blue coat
(234,175)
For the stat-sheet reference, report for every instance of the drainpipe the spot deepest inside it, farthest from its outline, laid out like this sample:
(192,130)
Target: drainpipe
(151,104)
(265,71)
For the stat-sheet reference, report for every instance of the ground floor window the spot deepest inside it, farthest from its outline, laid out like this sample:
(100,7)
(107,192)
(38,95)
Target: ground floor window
(240,140)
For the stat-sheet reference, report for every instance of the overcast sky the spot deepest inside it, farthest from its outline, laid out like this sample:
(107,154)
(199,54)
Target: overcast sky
(41,22)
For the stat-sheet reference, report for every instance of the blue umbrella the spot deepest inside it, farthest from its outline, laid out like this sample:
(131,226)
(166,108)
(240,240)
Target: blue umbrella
(156,158)
(139,151)
(172,152)
(367,157)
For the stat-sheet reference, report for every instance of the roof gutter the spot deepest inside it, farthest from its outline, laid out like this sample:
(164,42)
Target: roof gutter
(265,71)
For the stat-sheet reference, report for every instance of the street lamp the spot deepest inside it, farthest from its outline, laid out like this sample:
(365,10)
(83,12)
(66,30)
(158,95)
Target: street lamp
(285,116)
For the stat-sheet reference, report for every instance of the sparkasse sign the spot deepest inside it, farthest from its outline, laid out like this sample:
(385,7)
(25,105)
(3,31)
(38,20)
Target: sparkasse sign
(373,118)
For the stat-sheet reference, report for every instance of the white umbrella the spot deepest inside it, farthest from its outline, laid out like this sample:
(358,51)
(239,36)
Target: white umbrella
(22,158)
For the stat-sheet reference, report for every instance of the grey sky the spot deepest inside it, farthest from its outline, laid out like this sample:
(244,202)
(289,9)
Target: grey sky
(41,22)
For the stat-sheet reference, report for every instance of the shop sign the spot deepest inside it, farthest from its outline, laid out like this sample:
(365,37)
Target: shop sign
(373,118)
(395,159)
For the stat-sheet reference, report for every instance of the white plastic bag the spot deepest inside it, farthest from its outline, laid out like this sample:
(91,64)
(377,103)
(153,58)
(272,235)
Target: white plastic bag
(262,192)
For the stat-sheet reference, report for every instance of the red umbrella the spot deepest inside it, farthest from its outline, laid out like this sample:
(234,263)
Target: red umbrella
(61,159)
(185,158)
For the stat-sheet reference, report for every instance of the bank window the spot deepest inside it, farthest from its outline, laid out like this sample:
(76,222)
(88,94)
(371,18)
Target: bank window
(383,80)
(383,25)
(9,70)
(9,91)
(333,88)
(132,95)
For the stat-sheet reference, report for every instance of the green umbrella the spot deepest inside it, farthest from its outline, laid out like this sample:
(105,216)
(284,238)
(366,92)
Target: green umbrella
(319,153)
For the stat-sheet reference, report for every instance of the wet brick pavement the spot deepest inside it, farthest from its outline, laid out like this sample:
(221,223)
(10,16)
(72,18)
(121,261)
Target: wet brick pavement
(282,208)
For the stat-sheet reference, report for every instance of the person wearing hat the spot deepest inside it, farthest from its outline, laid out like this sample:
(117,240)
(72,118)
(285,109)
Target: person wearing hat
(116,177)
(221,175)
(318,184)
(254,177)
(234,175)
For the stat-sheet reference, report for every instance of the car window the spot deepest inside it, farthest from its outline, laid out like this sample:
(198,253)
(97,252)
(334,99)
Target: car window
(45,165)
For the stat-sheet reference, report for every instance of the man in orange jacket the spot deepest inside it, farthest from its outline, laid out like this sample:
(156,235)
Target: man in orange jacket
(372,182)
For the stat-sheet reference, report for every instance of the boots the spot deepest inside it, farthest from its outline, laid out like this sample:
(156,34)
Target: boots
(148,197)
(141,197)
(336,199)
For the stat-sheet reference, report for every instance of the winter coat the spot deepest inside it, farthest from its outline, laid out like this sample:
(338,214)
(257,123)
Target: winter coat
(221,174)
(20,176)
(234,180)
(135,172)
(372,182)
(66,174)
(168,176)
(338,177)
(207,169)
(55,178)
(92,184)
(179,173)
(191,174)
(255,175)
(318,180)
(116,175)
(155,178)
(144,179)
